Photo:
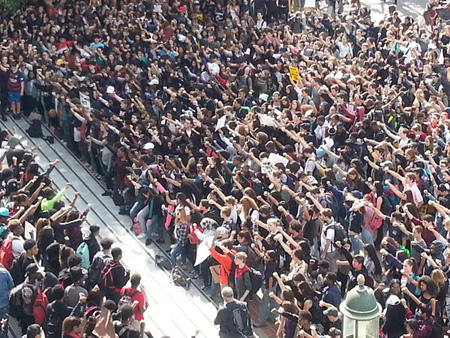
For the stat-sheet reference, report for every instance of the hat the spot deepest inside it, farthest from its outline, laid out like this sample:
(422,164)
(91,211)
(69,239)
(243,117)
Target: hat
(264,97)
(59,62)
(34,268)
(4,212)
(320,152)
(154,82)
(222,232)
(110,90)
(331,311)
(148,146)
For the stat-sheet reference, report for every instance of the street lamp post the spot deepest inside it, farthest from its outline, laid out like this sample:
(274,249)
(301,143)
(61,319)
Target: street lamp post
(361,312)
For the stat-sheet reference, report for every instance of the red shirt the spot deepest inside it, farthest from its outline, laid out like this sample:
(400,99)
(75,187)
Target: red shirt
(137,296)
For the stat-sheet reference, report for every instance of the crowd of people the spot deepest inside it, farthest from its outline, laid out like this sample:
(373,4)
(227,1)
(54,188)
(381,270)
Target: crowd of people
(285,151)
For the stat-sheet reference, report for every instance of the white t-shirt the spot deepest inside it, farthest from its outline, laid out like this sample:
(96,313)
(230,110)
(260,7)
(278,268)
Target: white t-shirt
(17,245)
(327,233)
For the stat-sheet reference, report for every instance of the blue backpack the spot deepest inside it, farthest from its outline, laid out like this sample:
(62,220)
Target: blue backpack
(83,251)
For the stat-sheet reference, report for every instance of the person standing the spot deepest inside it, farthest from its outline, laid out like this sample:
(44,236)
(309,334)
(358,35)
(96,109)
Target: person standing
(137,296)
(16,88)
(7,284)
(233,318)
(243,281)
(114,276)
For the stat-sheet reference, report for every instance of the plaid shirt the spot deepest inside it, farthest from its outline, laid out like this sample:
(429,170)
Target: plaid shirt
(181,233)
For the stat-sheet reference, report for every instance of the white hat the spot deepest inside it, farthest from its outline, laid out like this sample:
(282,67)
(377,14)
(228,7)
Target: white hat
(110,90)
(154,82)
(148,146)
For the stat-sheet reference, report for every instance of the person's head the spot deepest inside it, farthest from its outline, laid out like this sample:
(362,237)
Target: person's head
(412,326)
(116,254)
(71,325)
(31,247)
(425,311)
(227,294)
(358,262)
(304,318)
(106,243)
(94,230)
(330,278)
(58,292)
(77,275)
(135,280)
(324,266)
(428,285)
(240,259)
(326,215)
(15,227)
(332,314)
(126,313)
(34,331)
(410,266)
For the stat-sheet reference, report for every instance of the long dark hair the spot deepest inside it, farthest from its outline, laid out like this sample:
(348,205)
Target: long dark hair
(371,252)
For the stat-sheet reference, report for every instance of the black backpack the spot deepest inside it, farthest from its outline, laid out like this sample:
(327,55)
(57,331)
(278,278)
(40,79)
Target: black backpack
(339,232)
(96,268)
(240,316)
(16,301)
(257,280)
(35,129)
(106,276)
(54,323)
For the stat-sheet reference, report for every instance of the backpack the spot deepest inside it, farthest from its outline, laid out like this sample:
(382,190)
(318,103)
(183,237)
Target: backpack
(332,203)
(339,232)
(39,306)
(6,256)
(163,262)
(106,276)
(83,251)
(96,268)
(241,320)
(371,219)
(316,311)
(16,271)
(54,323)
(178,278)
(136,226)
(35,129)
(256,278)
(127,299)
(16,301)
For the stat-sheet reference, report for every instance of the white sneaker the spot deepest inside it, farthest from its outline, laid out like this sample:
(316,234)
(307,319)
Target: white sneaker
(142,236)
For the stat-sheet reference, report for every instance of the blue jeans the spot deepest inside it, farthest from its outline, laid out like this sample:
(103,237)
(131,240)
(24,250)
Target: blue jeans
(355,244)
(367,236)
(179,250)
(267,304)
(156,228)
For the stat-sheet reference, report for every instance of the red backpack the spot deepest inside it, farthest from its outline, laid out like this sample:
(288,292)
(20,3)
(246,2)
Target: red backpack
(6,256)
(39,306)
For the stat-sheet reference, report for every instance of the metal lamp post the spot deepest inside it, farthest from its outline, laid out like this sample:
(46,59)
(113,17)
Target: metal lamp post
(361,312)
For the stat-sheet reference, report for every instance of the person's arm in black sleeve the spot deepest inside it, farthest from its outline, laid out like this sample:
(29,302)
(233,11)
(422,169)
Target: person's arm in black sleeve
(347,255)
(78,310)
(68,225)
(290,316)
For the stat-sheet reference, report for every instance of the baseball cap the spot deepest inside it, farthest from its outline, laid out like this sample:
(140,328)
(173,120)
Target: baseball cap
(34,268)
(110,90)
(59,62)
(4,212)
(331,311)
(148,146)
(154,82)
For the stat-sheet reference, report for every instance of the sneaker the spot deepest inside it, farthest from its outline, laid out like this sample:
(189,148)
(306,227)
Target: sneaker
(17,117)
(160,241)
(148,241)
(4,118)
(256,324)
(142,236)
(107,193)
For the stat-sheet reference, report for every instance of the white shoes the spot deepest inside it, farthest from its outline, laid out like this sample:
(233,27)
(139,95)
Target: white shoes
(142,236)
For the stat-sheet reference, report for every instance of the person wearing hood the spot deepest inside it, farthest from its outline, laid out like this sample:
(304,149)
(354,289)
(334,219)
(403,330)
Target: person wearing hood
(431,256)
(394,318)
